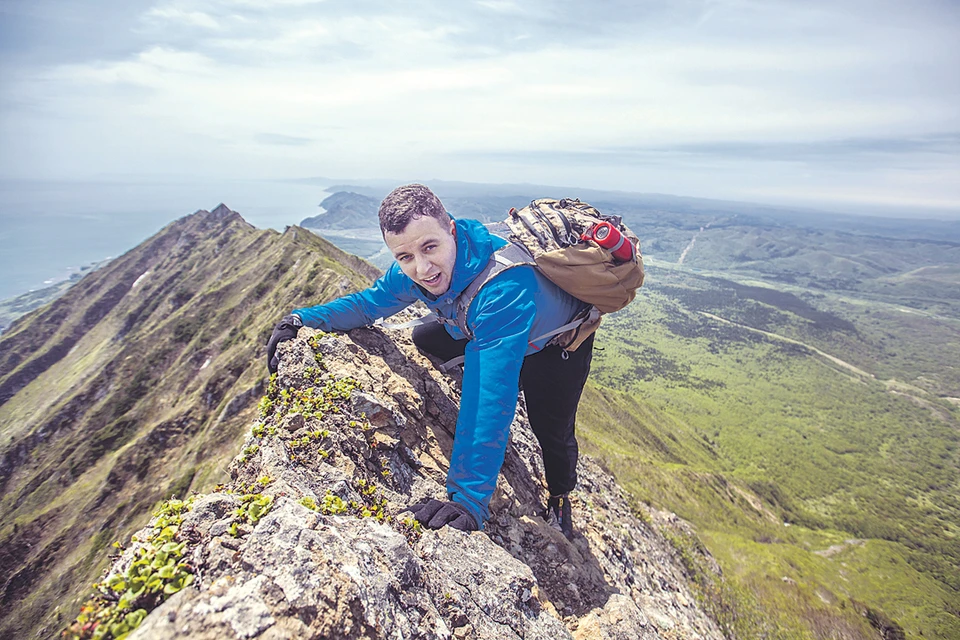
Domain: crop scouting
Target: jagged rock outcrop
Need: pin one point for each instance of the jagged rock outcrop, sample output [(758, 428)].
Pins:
[(356, 428)]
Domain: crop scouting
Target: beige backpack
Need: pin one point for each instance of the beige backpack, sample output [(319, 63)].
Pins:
[(554, 236)]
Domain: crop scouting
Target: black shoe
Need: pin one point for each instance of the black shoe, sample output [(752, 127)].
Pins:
[(559, 515)]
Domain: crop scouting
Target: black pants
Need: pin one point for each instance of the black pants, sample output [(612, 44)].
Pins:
[(551, 387)]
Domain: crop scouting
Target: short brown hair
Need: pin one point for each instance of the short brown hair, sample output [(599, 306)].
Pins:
[(407, 203)]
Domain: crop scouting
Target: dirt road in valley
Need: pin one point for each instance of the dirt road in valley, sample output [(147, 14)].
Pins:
[(776, 336)]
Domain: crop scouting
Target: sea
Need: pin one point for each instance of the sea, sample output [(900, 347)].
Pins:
[(50, 230)]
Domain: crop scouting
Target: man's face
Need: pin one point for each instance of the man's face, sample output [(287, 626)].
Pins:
[(426, 250)]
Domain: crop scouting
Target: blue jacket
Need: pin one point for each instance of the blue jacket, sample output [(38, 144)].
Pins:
[(518, 304)]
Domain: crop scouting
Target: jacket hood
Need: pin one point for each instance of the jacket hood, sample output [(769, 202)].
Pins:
[(474, 246)]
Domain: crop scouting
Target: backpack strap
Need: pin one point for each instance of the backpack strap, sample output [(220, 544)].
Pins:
[(590, 314), (513, 255), (506, 257)]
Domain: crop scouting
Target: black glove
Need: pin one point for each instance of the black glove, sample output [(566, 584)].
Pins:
[(434, 514), (286, 329)]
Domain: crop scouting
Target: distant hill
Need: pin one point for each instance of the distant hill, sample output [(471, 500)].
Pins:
[(345, 210), (911, 262), (492, 197)]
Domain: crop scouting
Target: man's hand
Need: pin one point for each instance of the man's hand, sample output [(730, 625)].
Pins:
[(286, 329), (434, 514)]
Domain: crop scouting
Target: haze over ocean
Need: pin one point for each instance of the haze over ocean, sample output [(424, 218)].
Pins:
[(48, 230)]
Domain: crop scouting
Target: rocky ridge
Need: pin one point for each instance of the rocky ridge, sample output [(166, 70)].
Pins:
[(354, 429)]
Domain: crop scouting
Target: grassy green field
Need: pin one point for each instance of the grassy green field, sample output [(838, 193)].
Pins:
[(809, 437)]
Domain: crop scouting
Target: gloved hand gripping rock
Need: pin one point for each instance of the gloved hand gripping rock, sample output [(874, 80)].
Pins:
[(286, 329), (434, 514)]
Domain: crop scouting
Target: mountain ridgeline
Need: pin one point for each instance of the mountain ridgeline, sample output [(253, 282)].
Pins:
[(138, 383)]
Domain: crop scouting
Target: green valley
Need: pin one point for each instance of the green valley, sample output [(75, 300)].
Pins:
[(825, 487)]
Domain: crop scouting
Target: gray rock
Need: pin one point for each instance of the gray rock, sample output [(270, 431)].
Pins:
[(359, 571)]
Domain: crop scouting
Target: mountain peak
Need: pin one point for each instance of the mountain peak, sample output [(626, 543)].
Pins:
[(220, 218), (222, 211)]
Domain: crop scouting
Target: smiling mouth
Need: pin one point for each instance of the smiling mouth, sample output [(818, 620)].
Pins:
[(433, 280)]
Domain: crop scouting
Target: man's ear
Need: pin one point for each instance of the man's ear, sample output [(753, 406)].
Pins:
[(453, 227)]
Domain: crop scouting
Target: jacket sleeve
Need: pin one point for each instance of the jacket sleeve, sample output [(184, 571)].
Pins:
[(391, 293), (501, 317)]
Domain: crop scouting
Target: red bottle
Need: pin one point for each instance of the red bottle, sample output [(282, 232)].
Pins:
[(610, 238)]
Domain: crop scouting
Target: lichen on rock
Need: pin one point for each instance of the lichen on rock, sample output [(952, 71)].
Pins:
[(311, 540)]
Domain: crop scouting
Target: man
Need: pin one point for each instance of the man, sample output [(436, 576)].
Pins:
[(436, 258)]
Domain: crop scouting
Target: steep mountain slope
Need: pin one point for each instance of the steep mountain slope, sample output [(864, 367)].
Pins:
[(309, 539), (135, 385)]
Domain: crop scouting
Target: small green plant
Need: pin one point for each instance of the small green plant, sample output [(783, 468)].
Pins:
[(410, 528), (313, 374), (253, 506), (332, 505), (314, 340), (272, 386), (366, 488), (157, 571), (265, 407)]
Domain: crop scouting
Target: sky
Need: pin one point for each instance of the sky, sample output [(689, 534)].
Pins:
[(848, 105)]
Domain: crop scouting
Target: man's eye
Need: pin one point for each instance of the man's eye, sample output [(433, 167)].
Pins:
[(403, 258), (430, 247)]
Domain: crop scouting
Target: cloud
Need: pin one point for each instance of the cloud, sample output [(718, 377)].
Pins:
[(843, 150), (701, 95), (272, 4), (282, 140), (156, 67), (188, 18)]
